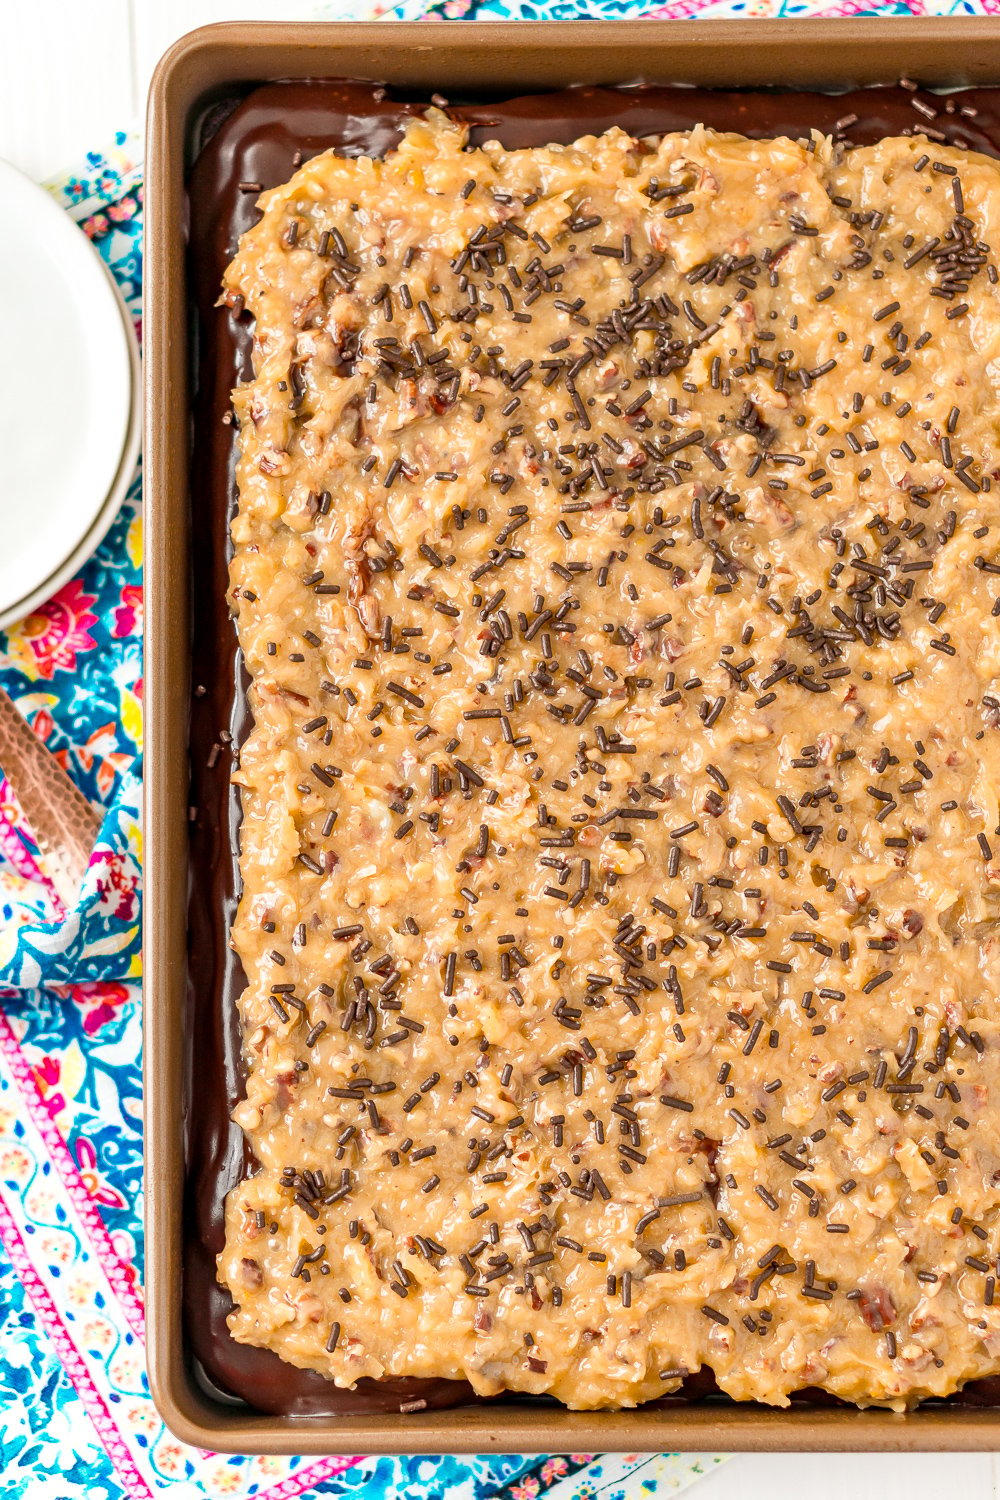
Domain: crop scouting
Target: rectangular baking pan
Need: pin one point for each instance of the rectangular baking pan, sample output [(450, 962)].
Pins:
[(488, 60)]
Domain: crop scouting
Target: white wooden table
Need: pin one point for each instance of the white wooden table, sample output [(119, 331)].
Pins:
[(72, 72)]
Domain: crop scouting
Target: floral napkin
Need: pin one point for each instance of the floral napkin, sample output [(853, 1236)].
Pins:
[(74, 669)]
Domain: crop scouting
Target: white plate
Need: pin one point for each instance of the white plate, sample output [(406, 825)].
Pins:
[(66, 391), (88, 544)]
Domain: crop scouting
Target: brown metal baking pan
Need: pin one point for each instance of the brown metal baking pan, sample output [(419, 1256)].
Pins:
[(485, 61)]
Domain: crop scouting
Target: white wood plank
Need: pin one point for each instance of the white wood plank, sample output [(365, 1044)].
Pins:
[(859, 1476), (65, 79), (158, 23), (72, 73)]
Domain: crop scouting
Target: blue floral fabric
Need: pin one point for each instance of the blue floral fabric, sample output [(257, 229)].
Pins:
[(74, 668)]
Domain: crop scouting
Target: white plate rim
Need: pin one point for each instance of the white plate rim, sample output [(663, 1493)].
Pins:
[(124, 423), (101, 524)]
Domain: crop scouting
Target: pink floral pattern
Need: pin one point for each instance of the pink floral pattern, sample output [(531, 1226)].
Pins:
[(98, 1003), (102, 1192), (50, 640), (48, 1075), (128, 614)]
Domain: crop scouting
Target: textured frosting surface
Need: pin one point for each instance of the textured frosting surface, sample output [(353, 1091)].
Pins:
[(620, 805)]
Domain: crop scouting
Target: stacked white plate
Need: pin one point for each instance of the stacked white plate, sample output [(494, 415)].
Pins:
[(70, 405)]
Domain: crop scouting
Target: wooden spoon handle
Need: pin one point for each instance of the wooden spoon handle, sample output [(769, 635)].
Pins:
[(64, 823)]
